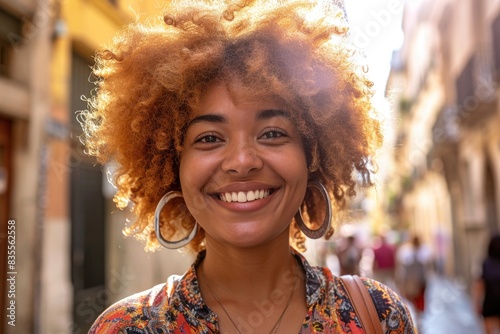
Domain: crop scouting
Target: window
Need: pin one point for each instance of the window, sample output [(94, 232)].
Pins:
[(10, 32), (465, 85), (495, 27), (4, 58)]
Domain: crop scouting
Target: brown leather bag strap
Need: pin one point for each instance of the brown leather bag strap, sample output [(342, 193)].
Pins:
[(362, 303)]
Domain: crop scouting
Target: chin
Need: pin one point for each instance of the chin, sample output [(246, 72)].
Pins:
[(250, 239)]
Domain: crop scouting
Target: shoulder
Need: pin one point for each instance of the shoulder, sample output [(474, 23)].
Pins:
[(393, 313), (136, 310)]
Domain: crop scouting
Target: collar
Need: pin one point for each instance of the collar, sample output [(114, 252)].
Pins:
[(188, 294)]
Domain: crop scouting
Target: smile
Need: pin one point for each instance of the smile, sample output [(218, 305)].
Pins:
[(243, 197)]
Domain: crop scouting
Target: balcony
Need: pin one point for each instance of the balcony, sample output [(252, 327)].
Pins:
[(475, 90)]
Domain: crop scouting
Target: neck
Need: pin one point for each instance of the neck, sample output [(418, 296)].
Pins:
[(253, 290), (249, 272)]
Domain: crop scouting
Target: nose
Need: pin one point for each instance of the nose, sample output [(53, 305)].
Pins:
[(242, 158)]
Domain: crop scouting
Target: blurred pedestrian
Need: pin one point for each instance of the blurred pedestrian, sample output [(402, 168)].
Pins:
[(441, 243), (241, 123), (384, 261), (349, 257), (488, 288), (413, 262), (331, 258)]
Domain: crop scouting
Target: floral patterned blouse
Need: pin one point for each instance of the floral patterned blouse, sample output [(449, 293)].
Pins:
[(178, 307)]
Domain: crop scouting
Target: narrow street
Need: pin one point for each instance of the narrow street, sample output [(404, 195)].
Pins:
[(448, 309)]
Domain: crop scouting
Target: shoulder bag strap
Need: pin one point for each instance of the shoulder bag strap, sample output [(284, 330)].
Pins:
[(362, 303)]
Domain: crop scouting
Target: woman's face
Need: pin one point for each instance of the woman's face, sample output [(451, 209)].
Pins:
[(243, 168)]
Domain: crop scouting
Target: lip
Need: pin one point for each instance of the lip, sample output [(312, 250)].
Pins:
[(244, 187), (245, 206)]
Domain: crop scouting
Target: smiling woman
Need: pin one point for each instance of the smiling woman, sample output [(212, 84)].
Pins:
[(235, 147), (241, 126)]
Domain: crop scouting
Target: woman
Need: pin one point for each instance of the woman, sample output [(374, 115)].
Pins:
[(413, 265), (225, 121), (487, 292)]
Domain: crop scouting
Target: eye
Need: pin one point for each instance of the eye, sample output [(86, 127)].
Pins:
[(274, 133), (207, 139)]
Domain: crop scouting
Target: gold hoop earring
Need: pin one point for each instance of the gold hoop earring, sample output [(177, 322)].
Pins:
[(325, 227), (165, 243)]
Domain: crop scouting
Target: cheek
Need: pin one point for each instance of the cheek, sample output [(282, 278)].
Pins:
[(187, 179), (196, 169), (182, 171), (294, 166), (291, 166), (298, 171), (188, 185), (195, 172), (190, 172)]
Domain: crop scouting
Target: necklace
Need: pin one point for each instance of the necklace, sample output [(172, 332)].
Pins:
[(276, 325)]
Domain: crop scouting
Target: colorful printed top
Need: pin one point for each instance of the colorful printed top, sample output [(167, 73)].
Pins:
[(178, 307)]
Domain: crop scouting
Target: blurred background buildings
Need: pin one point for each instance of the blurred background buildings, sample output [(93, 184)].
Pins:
[(446, 179), (71, 259)]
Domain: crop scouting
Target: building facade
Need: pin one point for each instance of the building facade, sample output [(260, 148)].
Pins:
[(71, 260), (448, 152), (25, 104)]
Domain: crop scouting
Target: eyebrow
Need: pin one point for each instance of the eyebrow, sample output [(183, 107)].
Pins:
[(262, 115), (211, 118), (270, 113)]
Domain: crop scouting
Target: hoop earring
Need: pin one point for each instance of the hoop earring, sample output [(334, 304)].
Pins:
[(165, 243), (325, 227)]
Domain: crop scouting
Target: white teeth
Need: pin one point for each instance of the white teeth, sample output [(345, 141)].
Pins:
[(250, 196), (243, 197)]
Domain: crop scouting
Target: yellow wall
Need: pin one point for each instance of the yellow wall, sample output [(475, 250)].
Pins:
[(94, 22), (88, 25)]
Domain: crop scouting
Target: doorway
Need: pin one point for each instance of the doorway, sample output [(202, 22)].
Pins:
[(87, 212)]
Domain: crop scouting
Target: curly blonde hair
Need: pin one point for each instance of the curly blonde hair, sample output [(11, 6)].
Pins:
[(153, 75)]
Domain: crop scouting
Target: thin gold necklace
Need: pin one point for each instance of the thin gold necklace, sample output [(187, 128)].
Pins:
[(276, 325)]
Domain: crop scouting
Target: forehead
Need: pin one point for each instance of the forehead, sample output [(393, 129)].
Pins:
[(221, 96)]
